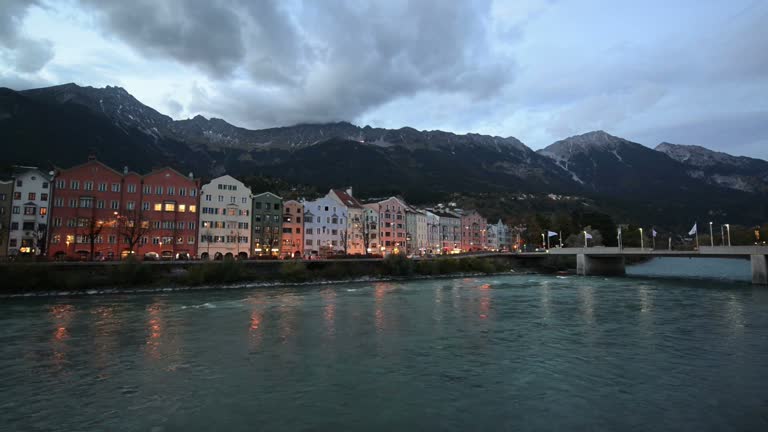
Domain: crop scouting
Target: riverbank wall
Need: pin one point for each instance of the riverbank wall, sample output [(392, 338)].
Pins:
[(77, 277)]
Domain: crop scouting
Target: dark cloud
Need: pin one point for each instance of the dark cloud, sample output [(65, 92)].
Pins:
[(344, 58), (27, 55)]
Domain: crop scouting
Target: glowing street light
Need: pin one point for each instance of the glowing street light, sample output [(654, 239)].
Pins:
[(711, 236), (728, 230), (641, 238)]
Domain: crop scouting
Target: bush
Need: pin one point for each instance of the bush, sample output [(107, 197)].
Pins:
[(132, 272), (295, 271), (397, 265), (217, 272)]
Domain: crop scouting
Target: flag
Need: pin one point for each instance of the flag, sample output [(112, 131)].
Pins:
[(653, 231), (551, 234), (693, 230), (589, 236)]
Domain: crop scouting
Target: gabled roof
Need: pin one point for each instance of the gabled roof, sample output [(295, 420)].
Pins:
[(268, 193), (89, 162), (345, 198), (158, 170)]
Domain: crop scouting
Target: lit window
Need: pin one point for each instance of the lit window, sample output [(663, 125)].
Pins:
[(192, 208), (43, 211), (158, 207), (169, 207), (182, 208)]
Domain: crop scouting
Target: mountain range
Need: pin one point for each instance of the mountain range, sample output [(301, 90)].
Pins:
[(62, 125)]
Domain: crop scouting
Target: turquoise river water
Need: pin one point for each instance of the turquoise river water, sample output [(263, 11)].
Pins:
[(517, 352)]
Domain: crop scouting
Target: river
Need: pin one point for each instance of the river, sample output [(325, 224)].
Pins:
[(518, 352)]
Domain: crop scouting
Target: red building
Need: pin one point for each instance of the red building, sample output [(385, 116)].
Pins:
[(473, 232), (392, 230), (101, 213)]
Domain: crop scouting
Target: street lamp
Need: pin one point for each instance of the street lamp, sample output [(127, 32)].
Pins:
[(641, 238), (728, 229), (711, 237), (585, 239)]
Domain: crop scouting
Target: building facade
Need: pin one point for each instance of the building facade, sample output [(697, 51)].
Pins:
[(267, 222), (6, 198), (371, 228), (473, 232), (225, 219), (28, 229), (172, 199), (87, 200), (292, 245), (354, 242), (433, 232), (392, 225), (450, 231), (416, 229), (325, 225)]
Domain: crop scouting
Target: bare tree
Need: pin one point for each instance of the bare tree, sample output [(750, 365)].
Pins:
[(132, 227), (90, 228), (344, 237)]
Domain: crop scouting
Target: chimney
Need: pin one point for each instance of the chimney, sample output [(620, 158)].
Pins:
[(125, 170), (190, 175), (349, 191)]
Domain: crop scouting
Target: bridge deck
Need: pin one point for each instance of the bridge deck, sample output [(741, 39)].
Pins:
[(702, 252)]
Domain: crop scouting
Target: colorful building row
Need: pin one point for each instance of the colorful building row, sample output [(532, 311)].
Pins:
[(92, 211)]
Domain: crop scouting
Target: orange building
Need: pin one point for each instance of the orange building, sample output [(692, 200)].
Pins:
[(292, 245), (473, 232), (392, 230)]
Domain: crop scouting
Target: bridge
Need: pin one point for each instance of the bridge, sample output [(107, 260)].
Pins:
[(609, 261)]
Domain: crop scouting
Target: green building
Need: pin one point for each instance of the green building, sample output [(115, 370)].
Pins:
[(267, 223)]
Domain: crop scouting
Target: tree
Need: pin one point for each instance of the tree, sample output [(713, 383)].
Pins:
[(344, 241), (90, 228), (577, 240), (41, 238), (132, 227)]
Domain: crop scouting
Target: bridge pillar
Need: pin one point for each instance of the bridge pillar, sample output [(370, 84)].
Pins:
[(759, 269), (590, 265)]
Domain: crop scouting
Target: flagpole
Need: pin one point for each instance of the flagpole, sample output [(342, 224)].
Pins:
[(547, 239), (561, 239), (653, 232), (697, 235)]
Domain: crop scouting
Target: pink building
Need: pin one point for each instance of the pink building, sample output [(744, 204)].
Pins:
[(474, 233), (392, 230)]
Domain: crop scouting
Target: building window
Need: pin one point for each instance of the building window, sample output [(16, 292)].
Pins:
[(32, 196), (61, 184), (100, 204), (19, 183), (257, 205), (310, 231), (29, 211), (147, 190), (193, 192), (43, 197), (114, 205), (88, 186), (43, 211), (145, 206), (14, 226), (17, 195), (182, 192), (131, 188), (169, 207), (182, 208), (158, 207), (57, 222), (115, 187), (208, 197), (86, 202), (171, 190), (74, 185), (130, 205), (102, 187), (308, 242), (287, 231), (159, 190), (192, 208), (221, 198)]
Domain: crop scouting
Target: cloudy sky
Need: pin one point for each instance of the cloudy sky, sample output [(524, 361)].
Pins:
[(683, 71)]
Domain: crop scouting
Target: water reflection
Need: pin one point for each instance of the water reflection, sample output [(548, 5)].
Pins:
[(287, 316), (61, 317), (106, 329), (256, 322), (329, 311), (155, 327), (587, 300), (380, 290), (485, 300), (546, 300)]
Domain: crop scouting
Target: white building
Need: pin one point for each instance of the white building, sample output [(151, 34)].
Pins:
[(225, 218), (433, 232), (325, 225), (371, 228), (29, 211), (416, 231), (355, 242)]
